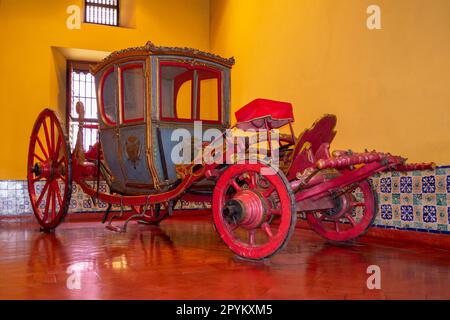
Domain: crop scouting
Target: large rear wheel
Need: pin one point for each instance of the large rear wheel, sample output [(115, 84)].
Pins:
[(253, 210), (49, 171)]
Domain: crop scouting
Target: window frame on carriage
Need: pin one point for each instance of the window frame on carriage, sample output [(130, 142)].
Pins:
[(119, 93), (195, 112)]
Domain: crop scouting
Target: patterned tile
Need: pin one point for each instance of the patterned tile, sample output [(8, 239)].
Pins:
[(386, 185), (417, 199), (441, 199), (396, 198), (440, 184), (429, 214), (395, 182), (386, 211), (406, 184), (441, 215), (407, 213), (429, 184)]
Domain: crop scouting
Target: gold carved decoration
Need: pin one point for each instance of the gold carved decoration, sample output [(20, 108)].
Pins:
[(133, 149)]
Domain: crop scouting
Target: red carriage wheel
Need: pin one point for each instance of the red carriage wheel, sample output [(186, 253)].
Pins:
[(152, 217), (353, 215), (253, 210), (49, 171)]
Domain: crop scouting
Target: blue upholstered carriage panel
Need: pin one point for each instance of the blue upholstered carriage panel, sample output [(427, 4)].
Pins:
[(109, 144), (134, 159), (167, 146)]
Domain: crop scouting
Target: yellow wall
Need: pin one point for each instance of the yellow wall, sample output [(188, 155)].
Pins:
[(389, 88), (32, 71)]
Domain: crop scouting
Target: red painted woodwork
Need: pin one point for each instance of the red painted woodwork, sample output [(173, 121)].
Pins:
[(102, 105), (342, 224), (246, 203), (52, 171)]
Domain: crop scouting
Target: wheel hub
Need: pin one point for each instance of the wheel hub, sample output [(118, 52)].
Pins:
[(45, 169), (341, 207), (247, 209)]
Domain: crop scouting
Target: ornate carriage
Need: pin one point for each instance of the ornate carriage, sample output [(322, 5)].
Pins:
[(144, 96)]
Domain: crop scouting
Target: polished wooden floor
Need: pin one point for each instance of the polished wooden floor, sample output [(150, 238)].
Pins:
[(184, 259)]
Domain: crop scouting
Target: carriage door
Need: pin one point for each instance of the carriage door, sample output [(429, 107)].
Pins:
[(132, 129)]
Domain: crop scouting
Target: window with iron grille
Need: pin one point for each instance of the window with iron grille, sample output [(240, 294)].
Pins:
[(81, 87), (102, 12)]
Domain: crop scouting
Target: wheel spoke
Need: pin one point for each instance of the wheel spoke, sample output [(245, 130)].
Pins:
[(60, 176), (276, 212), (251, 237), (266, 227), (350, 218), (42, 147), (38, 202), (58, 145), (252, 182), (36, 179), (53, 204), (358, 204), (235, 185), (47, 202), (47, 139), (336, 225), (58, 193), (39, 158), (269, 191), (59, 162), (52, 135)]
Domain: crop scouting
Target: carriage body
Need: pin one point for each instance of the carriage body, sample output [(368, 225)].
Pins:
[(146, 93)]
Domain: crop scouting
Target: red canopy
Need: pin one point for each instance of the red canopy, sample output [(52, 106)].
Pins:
[(254, 114)]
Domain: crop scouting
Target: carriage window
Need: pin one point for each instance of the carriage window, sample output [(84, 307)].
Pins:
[(109, 89), (176, 92), (209, 99), (184, 101), (133, 92), (81, 88), (189, 93)]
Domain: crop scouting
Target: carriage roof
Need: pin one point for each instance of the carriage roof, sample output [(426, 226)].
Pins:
[(151, 49)]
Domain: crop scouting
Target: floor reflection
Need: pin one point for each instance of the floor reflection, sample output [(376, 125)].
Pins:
[(185, 259)]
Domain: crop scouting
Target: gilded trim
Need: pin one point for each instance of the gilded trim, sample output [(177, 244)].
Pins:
[(150, 163), (151, 49)]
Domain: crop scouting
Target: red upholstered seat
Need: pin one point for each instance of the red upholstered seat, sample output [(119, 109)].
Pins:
[(256, 113)]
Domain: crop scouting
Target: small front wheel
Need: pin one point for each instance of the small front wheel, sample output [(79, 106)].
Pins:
[(253, 210), (352, 217)]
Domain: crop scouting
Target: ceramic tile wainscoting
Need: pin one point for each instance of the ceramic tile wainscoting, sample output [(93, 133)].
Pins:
[(14, 200), (417, 200)]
